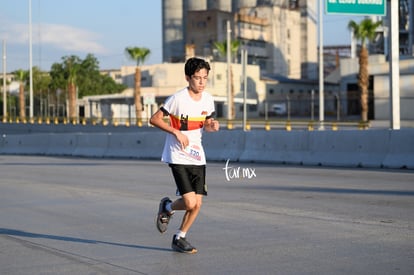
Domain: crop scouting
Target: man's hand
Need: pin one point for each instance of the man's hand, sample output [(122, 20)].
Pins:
[(212, 125), (157, 121), (181, 138)]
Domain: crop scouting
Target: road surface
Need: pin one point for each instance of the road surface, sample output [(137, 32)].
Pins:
[(96, 216)]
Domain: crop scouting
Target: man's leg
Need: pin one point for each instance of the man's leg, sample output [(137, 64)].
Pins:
[(191, 203)]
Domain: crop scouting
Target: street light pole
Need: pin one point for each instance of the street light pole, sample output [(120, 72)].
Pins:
[(312, 105), (321, 82), (30, 61), (394, 69), (244, 68), (4, 83), (229, 107)]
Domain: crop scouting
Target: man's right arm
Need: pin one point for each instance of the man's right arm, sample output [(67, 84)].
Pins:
[(157, 120)]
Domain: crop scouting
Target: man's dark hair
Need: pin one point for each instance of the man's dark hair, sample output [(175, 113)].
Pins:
[(195, 64)]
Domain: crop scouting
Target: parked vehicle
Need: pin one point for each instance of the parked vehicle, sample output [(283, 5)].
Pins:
[(278, 109)]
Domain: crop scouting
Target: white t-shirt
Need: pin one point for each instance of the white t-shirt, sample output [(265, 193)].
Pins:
[(188, 116)]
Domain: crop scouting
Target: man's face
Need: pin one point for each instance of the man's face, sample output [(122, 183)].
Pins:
[(198, 81)]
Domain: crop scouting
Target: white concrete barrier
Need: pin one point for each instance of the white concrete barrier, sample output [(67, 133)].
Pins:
[(347, 148), (350, 148), (32, 144), (62, 144), (224, 145), (142, 145), (275, 146), (91, 144), (400, 150)]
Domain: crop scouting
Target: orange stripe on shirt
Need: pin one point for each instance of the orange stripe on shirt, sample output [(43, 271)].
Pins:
[(185, 124)]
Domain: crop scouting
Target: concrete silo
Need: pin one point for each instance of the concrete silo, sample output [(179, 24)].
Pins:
[(222, 5), (245, 3), (195, 5), (172, 31)]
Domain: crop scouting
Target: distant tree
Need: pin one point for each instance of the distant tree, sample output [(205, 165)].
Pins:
[(21, 76), (92, 82), (75, 75), (364, 31), (41, 83), (88, 79), (73, 67), (139, 55)]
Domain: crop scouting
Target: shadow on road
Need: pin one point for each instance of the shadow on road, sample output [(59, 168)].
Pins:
[(333, 190), (19, 233)]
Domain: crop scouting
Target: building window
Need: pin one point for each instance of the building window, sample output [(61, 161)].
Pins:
[(224, 25), (271, 91), (250, 107), (288, 66), (201, 24)]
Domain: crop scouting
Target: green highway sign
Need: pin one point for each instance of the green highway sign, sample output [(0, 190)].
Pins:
[(357, 7)]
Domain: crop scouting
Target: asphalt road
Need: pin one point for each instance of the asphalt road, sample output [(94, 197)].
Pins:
[(96, 216)]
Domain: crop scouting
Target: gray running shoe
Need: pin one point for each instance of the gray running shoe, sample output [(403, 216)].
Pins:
[(182, 245), (163, 217)]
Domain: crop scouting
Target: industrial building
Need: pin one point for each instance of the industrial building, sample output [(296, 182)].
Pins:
[(406, 31), (272, 32), (281, 40)]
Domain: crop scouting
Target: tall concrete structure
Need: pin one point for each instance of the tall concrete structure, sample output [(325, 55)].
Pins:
[(406, 22), (173, 31), (406, 29), (279, 35), (308, 43)]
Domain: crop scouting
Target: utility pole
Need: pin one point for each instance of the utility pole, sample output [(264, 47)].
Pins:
[(321, 82), (4, 83), (244, 68), (30, 61), (394, 68), (229, 107)]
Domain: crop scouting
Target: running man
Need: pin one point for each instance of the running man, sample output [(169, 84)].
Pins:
[(190, 112)]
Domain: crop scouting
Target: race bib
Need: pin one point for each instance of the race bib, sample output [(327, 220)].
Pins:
[(193, 152)]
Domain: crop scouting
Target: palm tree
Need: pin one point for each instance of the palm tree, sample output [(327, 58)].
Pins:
[(73, 67), (364, 31), (221, 47), (139, 55), (21, 77)]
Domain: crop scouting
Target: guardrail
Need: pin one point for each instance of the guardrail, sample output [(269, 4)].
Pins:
[(252, 124)]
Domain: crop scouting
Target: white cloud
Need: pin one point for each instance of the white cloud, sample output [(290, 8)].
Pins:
[(59, 36)]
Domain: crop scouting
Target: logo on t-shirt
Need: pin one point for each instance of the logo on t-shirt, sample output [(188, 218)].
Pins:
[(183, 122)]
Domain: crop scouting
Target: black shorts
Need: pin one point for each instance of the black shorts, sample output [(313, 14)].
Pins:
[(190, 178)]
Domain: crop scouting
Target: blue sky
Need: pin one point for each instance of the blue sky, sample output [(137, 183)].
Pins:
[(101, 27)]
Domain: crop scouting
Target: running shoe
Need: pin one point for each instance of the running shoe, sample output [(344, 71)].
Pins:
[(182, 245), (163, 216)]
